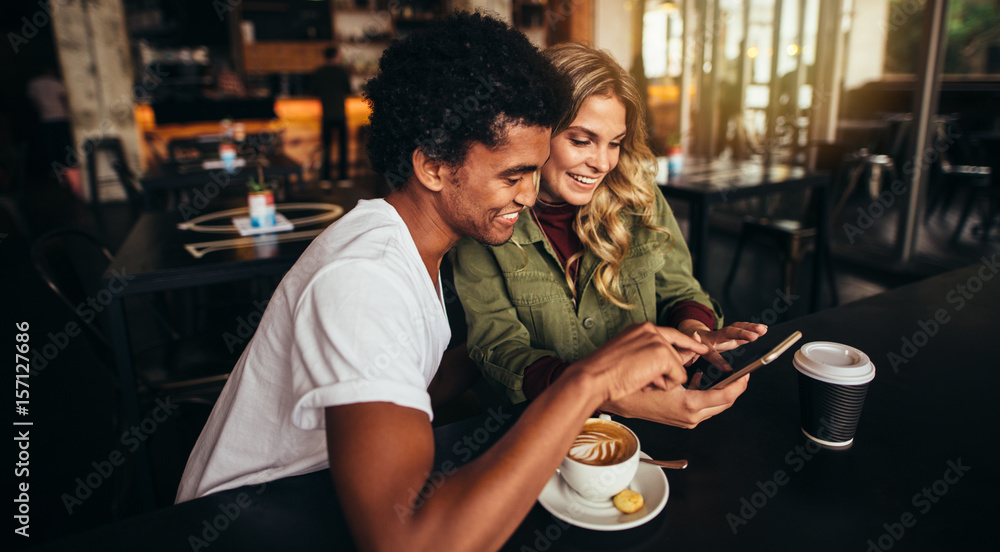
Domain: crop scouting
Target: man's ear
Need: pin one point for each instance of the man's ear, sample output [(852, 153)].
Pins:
[(429, 171)]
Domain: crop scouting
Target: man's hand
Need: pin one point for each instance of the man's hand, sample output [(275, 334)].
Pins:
[(641, 355), (479, 505)]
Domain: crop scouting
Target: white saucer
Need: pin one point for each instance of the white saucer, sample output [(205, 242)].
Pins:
[(566, 504)]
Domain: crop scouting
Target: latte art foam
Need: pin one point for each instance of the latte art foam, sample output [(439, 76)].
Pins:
[(602, 443)]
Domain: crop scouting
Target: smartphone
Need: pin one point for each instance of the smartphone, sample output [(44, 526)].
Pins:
[(768, 358)]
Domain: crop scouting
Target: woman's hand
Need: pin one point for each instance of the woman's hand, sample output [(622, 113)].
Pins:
[(676, 405), (687, 407), (723, 339)]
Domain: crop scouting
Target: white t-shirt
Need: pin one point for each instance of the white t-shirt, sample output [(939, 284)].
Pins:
[(356, 319)]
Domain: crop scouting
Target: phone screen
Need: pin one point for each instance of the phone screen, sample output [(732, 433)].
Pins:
[(711, 374), (721, 378), (714, 378)]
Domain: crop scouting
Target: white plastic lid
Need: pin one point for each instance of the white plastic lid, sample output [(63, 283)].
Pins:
[(834, 363)]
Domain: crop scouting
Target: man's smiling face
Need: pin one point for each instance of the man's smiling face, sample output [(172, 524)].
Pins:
[(484, 196)]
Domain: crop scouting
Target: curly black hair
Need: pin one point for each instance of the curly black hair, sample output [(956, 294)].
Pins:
[(465, 79)]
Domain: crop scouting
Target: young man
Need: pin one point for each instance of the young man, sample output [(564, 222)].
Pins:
[(338, 372)]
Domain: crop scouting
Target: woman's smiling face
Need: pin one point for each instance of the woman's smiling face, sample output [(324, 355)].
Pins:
[(583, 154)]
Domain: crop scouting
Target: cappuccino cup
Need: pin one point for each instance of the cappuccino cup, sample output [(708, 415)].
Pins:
[(602, 460)]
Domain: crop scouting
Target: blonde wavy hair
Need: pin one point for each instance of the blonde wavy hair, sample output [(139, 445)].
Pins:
[(628, 188)]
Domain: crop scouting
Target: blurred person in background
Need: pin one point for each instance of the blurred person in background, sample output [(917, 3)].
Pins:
[(332, 84), (48, 94), (226, 83)]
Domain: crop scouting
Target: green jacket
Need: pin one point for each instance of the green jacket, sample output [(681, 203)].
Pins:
[(519, 307)]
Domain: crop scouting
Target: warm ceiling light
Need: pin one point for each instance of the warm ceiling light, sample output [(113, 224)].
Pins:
[(793, 49), (752, 52)]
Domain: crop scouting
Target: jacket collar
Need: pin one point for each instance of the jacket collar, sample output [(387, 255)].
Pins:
[(526, 230)]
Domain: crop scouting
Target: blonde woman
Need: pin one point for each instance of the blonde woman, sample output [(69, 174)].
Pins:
[(599, 250)]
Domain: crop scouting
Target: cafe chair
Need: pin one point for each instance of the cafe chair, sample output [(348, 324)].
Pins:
[(111, 147), (793, 238), (190, 373), (960, 166), (982, 191), (14, 166), (193, 369), (130, 185), (12, 222), (875, 162)]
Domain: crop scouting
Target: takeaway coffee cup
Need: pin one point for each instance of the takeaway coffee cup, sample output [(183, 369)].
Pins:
[(833, 381), (602, 461)]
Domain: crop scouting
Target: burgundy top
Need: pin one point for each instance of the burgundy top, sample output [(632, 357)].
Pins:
[(556, 222)]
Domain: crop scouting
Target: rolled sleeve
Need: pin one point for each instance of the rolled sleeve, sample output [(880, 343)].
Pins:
[(360, 343)]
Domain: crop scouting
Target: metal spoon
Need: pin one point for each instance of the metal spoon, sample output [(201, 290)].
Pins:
[(672, 464)]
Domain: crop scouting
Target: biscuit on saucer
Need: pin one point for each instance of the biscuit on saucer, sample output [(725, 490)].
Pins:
[(628, 501)]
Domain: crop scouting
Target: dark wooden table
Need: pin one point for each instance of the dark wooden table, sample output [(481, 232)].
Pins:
[(704, 184), (153, 258), (862, 133), (170, 178), (921, 474), (264, 142)]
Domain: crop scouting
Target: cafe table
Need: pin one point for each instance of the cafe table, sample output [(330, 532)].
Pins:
[(210, 178), (703, 184), (157, 255), (920, 475)]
